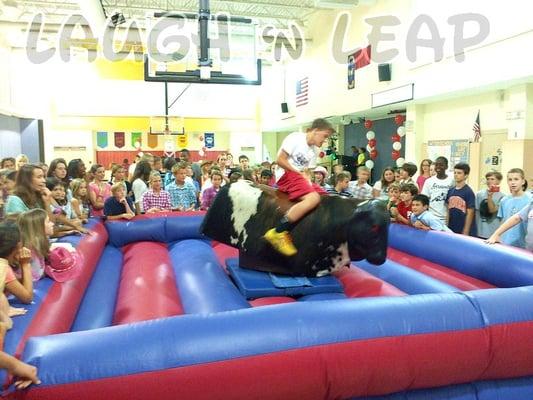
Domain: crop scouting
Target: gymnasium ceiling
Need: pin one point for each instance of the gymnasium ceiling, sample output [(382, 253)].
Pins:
[(275, 12)]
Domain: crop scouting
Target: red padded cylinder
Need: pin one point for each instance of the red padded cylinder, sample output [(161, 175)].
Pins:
[(359, 283), (147, 286)]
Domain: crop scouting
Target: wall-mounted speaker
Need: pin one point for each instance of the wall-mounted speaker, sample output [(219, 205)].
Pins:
[(284, 108), (384, 72)]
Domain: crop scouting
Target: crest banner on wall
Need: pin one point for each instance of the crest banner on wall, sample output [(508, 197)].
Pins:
[(152, 140), (209, 140), (119, 139), (136, 139), (101, 139), (182, 140)]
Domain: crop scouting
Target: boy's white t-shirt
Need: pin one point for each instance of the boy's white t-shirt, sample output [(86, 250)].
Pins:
[(437, 190), (301, 155)]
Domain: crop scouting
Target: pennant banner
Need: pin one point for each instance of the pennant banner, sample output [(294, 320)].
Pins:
[(119, 139), (209, 140), (136, 139), (351, 71), (362, 57), (183, 140), (152, 140), (101, 139)]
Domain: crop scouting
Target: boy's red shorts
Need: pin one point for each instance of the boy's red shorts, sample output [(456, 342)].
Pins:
[(296, 186)]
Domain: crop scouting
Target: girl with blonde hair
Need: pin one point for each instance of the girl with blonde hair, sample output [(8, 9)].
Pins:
[(80, 199), (22, 159), (35, 230)]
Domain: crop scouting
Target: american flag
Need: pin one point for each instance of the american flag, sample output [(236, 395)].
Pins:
[(477, 129), (302, 92)]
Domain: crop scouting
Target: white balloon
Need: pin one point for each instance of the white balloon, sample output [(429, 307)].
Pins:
[(370, 135), (369, 148), (401, 131), (400, 161), (137, 145), (369, 164), (396, 146), (201, 153)]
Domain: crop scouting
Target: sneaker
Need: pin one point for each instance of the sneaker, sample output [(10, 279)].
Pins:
[(281, 241)]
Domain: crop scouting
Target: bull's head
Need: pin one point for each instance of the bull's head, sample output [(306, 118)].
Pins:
[(368, 232)]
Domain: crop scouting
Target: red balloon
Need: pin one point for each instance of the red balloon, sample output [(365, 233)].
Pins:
[(395, 155), (372, 142), (373, 154), (399, 119), (368, 124), (321, 154), (395, 138)]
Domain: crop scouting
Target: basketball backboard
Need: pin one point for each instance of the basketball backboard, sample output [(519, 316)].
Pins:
[(174, 53)]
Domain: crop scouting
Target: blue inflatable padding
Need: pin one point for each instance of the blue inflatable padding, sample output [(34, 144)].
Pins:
[(179, 228), (98, 304), (502, 389), (405, 279), (203, 285), (195, 339), (122, 233), (495, 308), (253, 284), (469, 256), (322, 296), (21, 323), (40, 291), (76, 238)]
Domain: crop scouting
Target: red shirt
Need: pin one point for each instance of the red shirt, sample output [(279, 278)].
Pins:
[(404, 210)]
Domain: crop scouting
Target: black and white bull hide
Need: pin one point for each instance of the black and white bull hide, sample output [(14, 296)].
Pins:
[(337, 231)]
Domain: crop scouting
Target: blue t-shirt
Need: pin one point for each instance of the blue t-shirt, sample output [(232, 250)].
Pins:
[(526, 216), (113, 207), (509, 206), (429, 219), (459, 201), (15, 205)]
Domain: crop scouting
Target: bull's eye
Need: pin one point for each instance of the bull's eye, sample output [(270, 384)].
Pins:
[(375, 228)]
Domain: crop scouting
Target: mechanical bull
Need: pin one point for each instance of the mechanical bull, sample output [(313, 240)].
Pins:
[(337, 231)]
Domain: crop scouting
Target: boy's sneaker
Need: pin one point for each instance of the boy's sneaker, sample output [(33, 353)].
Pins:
[(281, 241)]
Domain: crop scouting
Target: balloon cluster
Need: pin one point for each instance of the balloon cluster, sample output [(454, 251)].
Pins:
[(396, 140), (371, 145)]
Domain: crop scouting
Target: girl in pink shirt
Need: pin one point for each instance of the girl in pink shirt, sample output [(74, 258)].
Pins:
[(99, 190)]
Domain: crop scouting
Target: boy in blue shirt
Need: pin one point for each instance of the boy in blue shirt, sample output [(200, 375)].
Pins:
[(421, 218), (525, 216), (182, 193), (461, 202)]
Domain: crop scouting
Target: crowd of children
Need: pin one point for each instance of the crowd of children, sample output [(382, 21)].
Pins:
[(40, 203), (438, 200)]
